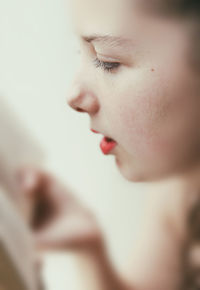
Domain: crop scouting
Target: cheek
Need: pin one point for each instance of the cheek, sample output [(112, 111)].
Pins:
[(140, 113), (154, 120), (140, 124)]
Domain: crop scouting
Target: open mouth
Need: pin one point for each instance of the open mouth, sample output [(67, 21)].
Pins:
[(108, 139), (107, 144)]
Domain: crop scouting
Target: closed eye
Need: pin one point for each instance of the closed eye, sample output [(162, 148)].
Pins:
[(106, 66)]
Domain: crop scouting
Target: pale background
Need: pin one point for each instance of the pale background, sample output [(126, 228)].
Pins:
[(38, 59)]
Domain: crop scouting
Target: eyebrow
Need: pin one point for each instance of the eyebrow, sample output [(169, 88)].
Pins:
[(108, 39)]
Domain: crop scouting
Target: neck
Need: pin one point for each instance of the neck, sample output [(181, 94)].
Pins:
[(176, 196), (185, 181)]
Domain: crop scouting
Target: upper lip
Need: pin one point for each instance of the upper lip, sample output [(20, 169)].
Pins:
[(97, 132)]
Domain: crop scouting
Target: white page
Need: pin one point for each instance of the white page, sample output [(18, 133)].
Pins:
[(17, 146), (17, 149), (17, 255)]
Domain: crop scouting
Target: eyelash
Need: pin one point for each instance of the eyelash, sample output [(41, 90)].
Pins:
[(106, 66)]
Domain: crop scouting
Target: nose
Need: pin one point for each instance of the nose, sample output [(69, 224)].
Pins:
[(82, 99)]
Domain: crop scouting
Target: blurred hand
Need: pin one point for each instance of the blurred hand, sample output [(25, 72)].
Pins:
[(58, 219)]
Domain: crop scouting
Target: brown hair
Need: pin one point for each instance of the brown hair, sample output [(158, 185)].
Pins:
[(180, 8), (188, 11), (191, 255)]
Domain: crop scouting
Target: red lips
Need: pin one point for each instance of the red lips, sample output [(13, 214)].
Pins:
[(107, 144), (94, 131)]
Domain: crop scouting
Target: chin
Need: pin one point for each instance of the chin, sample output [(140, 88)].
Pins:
[(134, 179), (130, 174), (138, 176)]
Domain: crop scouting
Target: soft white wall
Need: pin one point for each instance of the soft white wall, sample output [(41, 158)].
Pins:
[(38, 58)]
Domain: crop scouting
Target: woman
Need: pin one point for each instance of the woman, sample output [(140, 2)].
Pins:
[(139, 83)]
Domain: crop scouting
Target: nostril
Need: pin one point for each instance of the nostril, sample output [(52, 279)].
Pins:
[(79, 110), (84, 102)]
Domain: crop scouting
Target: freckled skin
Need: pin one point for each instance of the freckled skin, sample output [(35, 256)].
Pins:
[(150, 105)]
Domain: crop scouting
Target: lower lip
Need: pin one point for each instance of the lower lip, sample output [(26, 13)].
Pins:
[(107, 146)]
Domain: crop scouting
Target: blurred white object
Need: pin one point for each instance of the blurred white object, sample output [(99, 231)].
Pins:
[(17, 147), (17, 269)]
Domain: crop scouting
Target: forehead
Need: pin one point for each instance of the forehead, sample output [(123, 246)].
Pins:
[(102, 16), (126, 19)]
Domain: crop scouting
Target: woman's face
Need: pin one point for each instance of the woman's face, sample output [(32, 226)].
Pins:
[(138, 87)]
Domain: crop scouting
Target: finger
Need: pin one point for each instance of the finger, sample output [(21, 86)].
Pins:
[(28, 179), (76, 241), (50, 239), (38, 260), (60, 196), (70, 234), (35, 184), (31, 189), (33, 180)]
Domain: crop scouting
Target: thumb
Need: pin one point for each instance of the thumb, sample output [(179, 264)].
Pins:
[(28, 180)]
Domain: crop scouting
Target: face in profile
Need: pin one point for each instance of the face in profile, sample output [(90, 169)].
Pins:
[(137, 85)]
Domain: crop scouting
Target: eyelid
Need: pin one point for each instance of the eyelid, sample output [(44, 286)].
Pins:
[(122, 59), (107, 58)]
